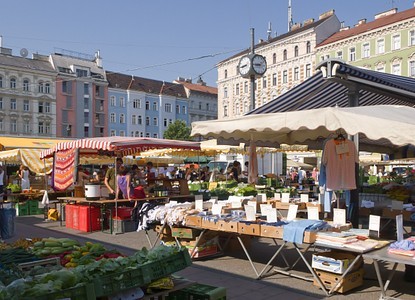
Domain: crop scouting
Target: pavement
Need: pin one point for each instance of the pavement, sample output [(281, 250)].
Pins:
[(231, 270)]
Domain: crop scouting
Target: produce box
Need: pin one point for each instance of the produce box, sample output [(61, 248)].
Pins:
[(53, 261), (183, 232), (249, 228), (82, 292), (351, 281), (166, 230), (334, 261), (33, 207), (209, 223), (310, 237), (272, 231), (122, 226), (193, 220), (230, 226), (203, 251), (89, 218), (199, 292), (123, 213)]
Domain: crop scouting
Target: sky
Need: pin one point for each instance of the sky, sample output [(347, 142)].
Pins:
[(164, 39)]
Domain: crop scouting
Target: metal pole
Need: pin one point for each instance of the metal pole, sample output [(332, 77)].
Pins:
[(252, 78)]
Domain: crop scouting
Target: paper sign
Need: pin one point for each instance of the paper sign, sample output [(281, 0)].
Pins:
[(250, 213), (374, 226), (199, 204), (277, 196), (397, 205), (253, 204), (399, 228), (285, 197), (216, 209), (339, 216), (198, 197), (213, 200), (342, 148), (312, 213), (292, 212), (261, 197), (272, 215), (304, 198), (264, 208), (235, 204)]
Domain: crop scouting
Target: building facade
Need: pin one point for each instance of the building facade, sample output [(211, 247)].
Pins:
[(386, 44), (290, 60), (27, 95)]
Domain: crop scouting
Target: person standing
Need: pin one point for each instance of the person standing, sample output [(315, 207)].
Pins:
[(110, 177), (24, 178), (1, 182), (124, 190)]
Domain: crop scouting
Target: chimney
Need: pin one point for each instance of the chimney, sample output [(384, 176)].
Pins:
[(98, 59), (345, 28), (309, 21), (386, 13), (296, 26), (362, 21), (326, 14)]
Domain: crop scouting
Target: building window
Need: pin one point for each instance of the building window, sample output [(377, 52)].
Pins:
[(226, 74), (366, 50), (381, 46), (86, 117), (155, 135), (133, 119), (155, 122), (122, 102), (155, 106), (47, 107), (296, 73), (26, 126), (86, 89), (295, 51), (26, 106), (396, 69), (47, 88), (47, 127), (308, 47), (1, 124), (207, 107), (307, 70), (147, 105), (1, 103), (237, 89), (184, 110), (352, 54), (284, 55), (225, 92), (122, 133), (274, 79), (26, 85), (412, 68), (147, 121), (284, 76), (274, 58), (396, 42), (136, 103), (246, 87), (113, 101), (167, 107), (113, 118), (339, 54), (380, 68), (13, 125), (225, 110), (122, 118), (113, 132), (165, 122), (13, 104), (264, 82), (140, 120), (1, 81), (170, 121), (412, 38), (13, 83), (40, 87), (177, 109), (147, 134)]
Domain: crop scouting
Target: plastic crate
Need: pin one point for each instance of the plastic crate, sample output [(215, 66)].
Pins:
[(166, 266), (123, 213), (89, 218), (82, 292), (22, 209), (33, 207), (122, 226), (199, 292), (69, 216), (114, 283)]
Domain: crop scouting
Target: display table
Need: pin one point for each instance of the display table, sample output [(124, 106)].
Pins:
[(382, 255)]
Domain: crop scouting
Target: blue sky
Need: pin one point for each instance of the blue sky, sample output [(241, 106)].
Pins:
[(163, 39)]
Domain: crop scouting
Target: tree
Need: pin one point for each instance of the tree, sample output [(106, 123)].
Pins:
[(178, 130)]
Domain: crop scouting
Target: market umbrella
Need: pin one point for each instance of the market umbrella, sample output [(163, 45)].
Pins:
[(197, 159), (297, 164)]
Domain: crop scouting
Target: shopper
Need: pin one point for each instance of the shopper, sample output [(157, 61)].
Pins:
[(24, 177), (110, 177), (1, 182), (124, 188)]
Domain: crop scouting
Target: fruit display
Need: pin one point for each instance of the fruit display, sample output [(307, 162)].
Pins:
[(50, 246), (15, 188)]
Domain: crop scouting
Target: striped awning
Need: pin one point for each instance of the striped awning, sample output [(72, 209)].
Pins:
[(27, 157), (117, 145), (320, 90)]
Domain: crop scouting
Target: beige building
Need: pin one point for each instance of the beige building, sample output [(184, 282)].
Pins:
[(290, 60)]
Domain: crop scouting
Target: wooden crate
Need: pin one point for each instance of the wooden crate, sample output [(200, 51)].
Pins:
[(309, 237), (312, 204), (249, 229), (184, 232), (349, 282), (272, 231)]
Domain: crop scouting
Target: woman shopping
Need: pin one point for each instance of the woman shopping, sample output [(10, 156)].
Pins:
[(24, 177), (124, 189)]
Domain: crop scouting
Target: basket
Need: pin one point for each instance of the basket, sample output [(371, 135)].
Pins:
[(166, 266), (114, 283)]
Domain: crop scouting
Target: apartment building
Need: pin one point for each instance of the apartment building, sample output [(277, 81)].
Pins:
[(290, 60)]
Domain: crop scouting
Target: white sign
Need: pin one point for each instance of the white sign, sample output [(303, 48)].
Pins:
[(198, 197), (277, 196), (312, 213), (397, 205), (261, 197), (272, 215), (265, 208), (235, 204), (216, 209), (199, 204), (399, 228), (304, 197), (213, 200), (250, 213), (285, 197), (374, 224), (253, 204), (292, 212), (339, 216)]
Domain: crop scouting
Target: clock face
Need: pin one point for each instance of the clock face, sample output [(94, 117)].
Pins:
[(244, 65), (259, 64)]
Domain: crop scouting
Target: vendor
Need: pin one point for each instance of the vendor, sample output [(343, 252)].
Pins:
[(82, 177), (24, 177), (110, 177)]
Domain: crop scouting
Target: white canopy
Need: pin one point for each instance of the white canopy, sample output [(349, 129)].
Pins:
[(381, 128)]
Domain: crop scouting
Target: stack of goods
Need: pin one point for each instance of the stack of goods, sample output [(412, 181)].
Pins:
[(405, 247), (347, 240), (294, 231)]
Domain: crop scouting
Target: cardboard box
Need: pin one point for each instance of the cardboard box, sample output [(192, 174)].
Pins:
[(309, 237), (166, 230), (313, 204), (334, 261), (230, 226), (285, 205), (351, 281), (272, 231), (249, 229), (209, 223), (184, 232), (203, 251), (193, 220)]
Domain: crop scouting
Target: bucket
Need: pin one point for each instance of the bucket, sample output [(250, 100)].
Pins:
[(92, 191)]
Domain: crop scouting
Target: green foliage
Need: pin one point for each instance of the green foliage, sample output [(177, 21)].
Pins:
[(178, 130)]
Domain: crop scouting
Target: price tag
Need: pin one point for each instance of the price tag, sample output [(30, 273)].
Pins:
[(272, 215), (374, 226), (199, 204), (250, 213), (312, 213), (235, 204), (265, 208), (342, 148), (399, 228), (339, 216), (292, 212), (285, 197), (253, 204), (304, 198), (261, 197), (277, 196), (216, 209)]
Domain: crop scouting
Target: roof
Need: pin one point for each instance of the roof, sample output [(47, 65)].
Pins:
[(130, 82), (375, 88), (199, 88), (63, 61), (24, 142), (378, 23), (26, 63)]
